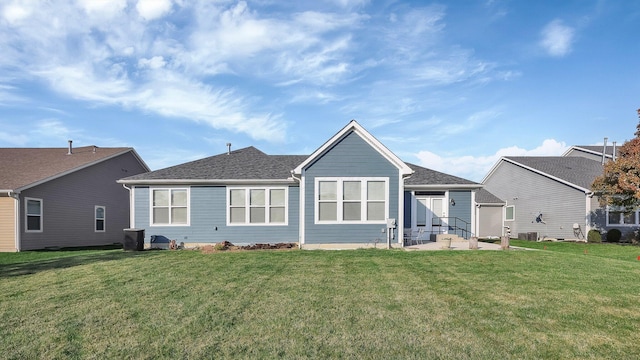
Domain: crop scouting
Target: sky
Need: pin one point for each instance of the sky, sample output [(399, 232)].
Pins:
[(450, 85)]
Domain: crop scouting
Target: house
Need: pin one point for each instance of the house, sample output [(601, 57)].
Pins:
[(351, 192), (547, 196), (64, 197)]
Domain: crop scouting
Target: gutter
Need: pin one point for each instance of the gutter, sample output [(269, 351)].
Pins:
[(301, 206)]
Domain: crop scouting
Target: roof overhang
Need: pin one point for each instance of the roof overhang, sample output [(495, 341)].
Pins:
[(208, 182), (353, 126)]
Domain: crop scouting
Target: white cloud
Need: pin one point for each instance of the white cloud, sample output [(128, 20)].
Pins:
[(557, 38), (104, 8), (153, 9), (155, 62), (15, 12), (476, 167)]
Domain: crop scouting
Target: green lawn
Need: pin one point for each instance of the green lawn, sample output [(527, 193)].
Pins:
[(558, 303)]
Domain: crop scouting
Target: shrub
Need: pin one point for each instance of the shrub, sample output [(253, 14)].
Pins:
[(594, 236), (614, 235)]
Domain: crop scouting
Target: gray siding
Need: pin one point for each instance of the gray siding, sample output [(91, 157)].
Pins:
[(460, 213), (208, 220), (531, 194), (350, 157), (69, 203), (490, 221)]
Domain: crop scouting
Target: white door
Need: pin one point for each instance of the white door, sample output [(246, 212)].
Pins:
[(430, 213)]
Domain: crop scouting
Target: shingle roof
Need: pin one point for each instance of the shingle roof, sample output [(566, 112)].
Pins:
[(243, 164), (575, 170), (424, 176), (22, 167), (252, 164), (483, 196)]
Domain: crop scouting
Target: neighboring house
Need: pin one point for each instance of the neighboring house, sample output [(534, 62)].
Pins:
[(490, 214), (64, 197), (351, 192), (548, 196)]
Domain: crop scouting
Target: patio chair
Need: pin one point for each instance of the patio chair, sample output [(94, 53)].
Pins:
[(417, 236)]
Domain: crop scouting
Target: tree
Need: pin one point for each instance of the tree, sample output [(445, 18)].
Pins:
[(619, 185)]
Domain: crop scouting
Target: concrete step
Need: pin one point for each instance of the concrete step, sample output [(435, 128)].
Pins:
[(451, 237)]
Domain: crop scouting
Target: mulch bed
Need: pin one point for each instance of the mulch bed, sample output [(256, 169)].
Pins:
[(228, 246)]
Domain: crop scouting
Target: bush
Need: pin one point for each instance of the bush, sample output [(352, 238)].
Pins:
[(594, 236), (614, 235)]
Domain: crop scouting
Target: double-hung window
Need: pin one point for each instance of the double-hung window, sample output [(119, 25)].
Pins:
[(351, 200), (100, 213), (33, 215), (257, 206), (170, 206)]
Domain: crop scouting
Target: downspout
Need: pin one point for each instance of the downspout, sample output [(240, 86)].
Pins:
[(131, 207), (301, 210), (16, 214)]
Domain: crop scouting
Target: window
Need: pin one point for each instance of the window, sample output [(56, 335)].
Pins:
[(33, 214), (99, 217), (616, 216), (351, 200), (170, 206), (257, 206), (510, 213)]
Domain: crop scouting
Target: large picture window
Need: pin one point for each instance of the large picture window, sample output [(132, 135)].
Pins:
[(257, 206), (620, 217), (170, 206), (351, 200), (33, 215), (100, 216)]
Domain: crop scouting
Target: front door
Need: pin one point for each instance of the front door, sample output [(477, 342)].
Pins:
[(430, 213)]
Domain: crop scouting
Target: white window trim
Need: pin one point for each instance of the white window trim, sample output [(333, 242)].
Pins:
[(514, 213), (340, 201), (621, 218), (26, 215), (95, 218), (267, 205), (151, 189)]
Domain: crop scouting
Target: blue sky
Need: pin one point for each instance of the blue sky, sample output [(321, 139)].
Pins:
[(449, 85)]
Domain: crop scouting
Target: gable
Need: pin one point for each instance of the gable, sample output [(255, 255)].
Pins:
[(351, 156), (575, 172), (27, 167), (353, 128)]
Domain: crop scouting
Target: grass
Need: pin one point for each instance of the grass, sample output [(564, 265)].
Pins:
[(372, 304)]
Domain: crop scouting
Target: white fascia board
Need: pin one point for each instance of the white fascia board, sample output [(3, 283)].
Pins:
[(445, 187), (570, 184), (206, 181), (364, 134), (70, 171)]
